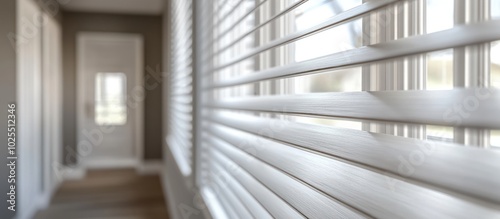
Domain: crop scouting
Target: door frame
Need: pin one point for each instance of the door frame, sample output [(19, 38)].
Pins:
[(138, 127)]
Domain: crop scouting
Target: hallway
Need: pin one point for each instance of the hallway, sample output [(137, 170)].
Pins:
[(109, 194)]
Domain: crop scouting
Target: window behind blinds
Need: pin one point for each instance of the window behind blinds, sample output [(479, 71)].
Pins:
[(346, 109), (180, 137)]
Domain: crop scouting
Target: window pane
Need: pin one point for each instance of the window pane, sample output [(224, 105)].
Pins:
[(495, 64), (110, 96), (315, 12), (495, 9), (344, 80), (440, 70), (336, 39), (346, 124), (439, 133), (495, 138), (439, 15)]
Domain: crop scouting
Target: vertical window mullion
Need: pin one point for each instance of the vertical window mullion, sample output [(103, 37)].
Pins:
[(478, 62), (365, 69), (459, 63)]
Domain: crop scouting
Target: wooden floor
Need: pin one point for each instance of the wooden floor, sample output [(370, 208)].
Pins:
[(109, 194)]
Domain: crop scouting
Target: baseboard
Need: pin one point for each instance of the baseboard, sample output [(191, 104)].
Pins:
[(72, 173), (152, 167), (27, 213), (168, 193), (109, 163), (46, 198), (43, 201)]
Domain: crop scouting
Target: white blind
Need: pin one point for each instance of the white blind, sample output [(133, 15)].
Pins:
[(348, 109), (180, 137)]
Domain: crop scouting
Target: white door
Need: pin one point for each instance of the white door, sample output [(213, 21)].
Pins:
[(110, 99)]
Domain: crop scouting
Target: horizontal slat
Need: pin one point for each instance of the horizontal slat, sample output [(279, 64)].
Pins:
[(274, 204), (182, 130), (183, 110), (369, 191), (460, 107), (228, 209), (213, 204), (182, 100), (253, 206), (181, 117), (223, 190), (455, 37), (178, 154), (242, 18), (444, 162), (308, 201), (179, 138), (181, 91), (182, 83), (225, 16), (285, 11), (334, 21)]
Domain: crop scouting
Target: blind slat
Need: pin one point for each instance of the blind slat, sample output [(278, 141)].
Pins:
[(258, 160), (458, 36), (460, 107), (273, 18), (226, 16), (229, 210), (274, 204), (305, 199), (225, 190), (387, 153), (230, 28), (213, 204), (180, 84), (254, 207), (364, 189), (334, 21)]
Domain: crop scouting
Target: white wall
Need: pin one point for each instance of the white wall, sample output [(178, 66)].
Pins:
[(52, 106), (29, 107), (38, 106)]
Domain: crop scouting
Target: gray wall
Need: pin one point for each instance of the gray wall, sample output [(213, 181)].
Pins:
[(7, 90), (150, 27)]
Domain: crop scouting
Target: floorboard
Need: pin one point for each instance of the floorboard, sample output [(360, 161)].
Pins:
[(108, 194)]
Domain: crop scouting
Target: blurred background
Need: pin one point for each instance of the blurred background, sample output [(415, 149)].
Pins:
[(250, 108)]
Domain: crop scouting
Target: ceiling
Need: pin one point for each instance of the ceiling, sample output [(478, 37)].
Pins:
[(151, 7)]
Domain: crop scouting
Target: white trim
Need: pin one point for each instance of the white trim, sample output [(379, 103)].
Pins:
[(139, 112), (110, 163), (177, 153), (70, 173), (28, 110), (169, 194), (52, 108), (151, 167)]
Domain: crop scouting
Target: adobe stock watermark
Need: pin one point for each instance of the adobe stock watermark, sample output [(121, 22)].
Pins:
[(95, 137), (454, 115)]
